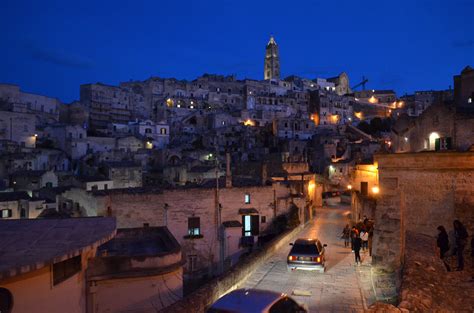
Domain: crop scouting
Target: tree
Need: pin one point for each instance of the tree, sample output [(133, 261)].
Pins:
[(376, 125), (365, 127)]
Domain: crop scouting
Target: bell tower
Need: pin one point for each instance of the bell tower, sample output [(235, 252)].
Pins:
[(272, 61)]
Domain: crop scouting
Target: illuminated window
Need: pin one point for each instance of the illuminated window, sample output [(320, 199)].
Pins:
[(194, 226), (6, 213), (163, 131), (247, 198)]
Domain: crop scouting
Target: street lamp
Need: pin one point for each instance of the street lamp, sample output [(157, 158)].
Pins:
[(375, 189)]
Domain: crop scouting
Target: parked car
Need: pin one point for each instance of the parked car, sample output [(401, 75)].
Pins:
[(307, 254), (331, 194), (256, 301)]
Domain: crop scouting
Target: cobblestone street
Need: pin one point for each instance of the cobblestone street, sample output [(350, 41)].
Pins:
[(344, 287)]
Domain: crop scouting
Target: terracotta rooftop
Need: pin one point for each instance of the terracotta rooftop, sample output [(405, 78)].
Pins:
[(30, 244)]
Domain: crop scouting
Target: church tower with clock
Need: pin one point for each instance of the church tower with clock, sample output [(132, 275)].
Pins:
[(272, 61)]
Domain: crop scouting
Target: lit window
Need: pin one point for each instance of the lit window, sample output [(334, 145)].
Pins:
[(247, 198), (6, 213), (469, 100), (194, 226), (163, 131)]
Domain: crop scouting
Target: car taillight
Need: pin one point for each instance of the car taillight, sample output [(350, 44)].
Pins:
[(291, 258), (317, 259)]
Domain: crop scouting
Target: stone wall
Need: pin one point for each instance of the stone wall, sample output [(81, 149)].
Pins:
[(202, 298), (426, 285), (419, 192), (173, 208)]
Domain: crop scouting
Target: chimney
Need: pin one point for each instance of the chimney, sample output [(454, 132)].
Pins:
[(228, 173)]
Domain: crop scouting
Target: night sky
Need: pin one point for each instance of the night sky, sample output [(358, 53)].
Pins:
[(51, 47)]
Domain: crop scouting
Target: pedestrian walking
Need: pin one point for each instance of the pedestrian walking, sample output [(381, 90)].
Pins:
[(460, 235), (371, 237), (354, 234), (364, 236), (443, 244), (357, 246), (346, 234)]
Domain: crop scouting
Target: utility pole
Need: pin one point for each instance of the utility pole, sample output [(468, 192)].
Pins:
[(218, 221)]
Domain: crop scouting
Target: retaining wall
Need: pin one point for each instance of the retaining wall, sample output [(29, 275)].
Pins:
[(202, 298)]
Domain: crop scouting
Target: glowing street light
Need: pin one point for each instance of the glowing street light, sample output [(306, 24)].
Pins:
[(349, 187), (375, 189)]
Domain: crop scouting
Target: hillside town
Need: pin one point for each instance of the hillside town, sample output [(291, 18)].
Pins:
[(137, 196)]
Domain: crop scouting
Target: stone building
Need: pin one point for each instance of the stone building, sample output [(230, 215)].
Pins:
[(464, 89), (45, 270), (156, 134), (46, 109), (74, 113), (124, 174), (106, 104), (341, 83), (293, 128), (328, 109), (419, 192), (440, 127), (191, 216), (29, 180), (140, 269), (272, 61), (19, 128), (416, 104)]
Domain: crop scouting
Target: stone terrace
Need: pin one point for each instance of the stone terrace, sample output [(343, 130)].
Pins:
[(427, 286)]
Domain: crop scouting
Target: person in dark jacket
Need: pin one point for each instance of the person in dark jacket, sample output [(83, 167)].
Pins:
[(346, 233), (460, 235), (357, 245), (354, 234), (443, 244)]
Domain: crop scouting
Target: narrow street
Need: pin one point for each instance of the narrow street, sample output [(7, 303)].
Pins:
[(344, 287)]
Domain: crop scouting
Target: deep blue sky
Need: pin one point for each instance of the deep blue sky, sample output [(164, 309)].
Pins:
[(51, 47)]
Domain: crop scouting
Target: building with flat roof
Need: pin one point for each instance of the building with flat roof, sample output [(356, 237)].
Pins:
[(43, 262)]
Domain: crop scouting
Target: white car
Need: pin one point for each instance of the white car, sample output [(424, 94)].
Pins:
[(256, 301)]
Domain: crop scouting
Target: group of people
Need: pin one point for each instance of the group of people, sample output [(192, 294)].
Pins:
[(455, 246), (359, 237)]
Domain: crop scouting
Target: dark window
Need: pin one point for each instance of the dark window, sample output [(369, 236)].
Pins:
[(22, 213), (304, 249), (49, 185), (194, 226), (264, 219), (94, 188), (6, 300), (364, 188), (106, 186), (65, 269)]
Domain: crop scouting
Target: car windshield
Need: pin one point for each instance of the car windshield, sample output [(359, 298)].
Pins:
[(304, 249)]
